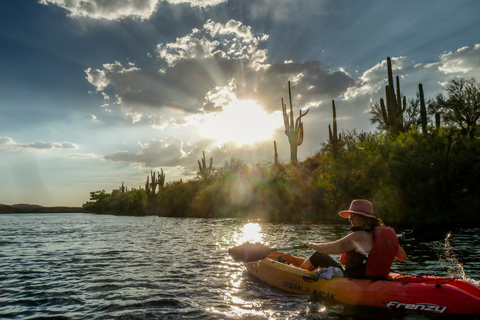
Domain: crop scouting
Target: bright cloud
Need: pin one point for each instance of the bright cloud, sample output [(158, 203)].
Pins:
[(119, 9), (109, 10), (232, 40), (465, 62), (198, 3)]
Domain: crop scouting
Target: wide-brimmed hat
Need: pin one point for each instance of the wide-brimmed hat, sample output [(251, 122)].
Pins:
[(361, 207)]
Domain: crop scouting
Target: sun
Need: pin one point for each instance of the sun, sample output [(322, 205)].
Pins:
[(243, 122)]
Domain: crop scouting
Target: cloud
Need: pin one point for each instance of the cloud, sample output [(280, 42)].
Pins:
[(188, 74), (198, 3), (189, 68), (110, 10), (155, 153), (85, 156), (232, 40), (9, 143), (311, 83), (120, 9), (465, 61)]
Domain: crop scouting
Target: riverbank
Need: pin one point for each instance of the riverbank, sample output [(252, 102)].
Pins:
[(32, 208)]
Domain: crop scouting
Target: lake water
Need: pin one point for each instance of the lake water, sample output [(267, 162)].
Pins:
[(85, 266)]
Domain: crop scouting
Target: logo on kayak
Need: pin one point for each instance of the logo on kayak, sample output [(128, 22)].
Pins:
[(416, 306), (315, 292), (293, 286)]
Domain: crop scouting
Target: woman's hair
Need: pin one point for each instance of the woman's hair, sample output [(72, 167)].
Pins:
[(368, 224), (371, 223)]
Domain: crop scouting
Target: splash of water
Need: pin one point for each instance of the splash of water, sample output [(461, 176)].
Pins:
[(449, 261)]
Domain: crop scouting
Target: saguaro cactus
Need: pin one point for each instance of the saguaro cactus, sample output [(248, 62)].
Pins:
[(293, 130), (158, 180), (161, 178), (123, 187), (334, 138), (276, 154), (202, 167), (437, 120), (423, 109), (393, 112)]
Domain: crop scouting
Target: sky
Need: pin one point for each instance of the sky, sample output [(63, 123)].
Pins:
[(95, 93)]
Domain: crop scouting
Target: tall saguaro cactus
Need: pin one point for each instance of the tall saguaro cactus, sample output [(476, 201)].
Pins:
[(393, 112), (293, 130), (334, 138), (205, 170), (423, 109)]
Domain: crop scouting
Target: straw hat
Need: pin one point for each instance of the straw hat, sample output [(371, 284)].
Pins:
[(361, 207)]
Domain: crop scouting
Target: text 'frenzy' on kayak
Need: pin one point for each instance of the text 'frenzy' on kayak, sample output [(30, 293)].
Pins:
[(416, 306)]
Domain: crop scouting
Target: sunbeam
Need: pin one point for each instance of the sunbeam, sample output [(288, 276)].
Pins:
[(242, 123)]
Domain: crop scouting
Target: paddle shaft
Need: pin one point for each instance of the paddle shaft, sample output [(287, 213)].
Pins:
[(301, 246)]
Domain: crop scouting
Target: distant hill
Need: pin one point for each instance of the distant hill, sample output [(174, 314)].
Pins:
[(33, 208)]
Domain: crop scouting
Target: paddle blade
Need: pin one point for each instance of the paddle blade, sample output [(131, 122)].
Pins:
[(249, 252)]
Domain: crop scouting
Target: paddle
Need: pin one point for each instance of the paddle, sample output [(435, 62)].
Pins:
[(249, 252)]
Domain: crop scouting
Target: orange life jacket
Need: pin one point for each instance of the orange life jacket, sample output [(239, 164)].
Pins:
[(380, 258)]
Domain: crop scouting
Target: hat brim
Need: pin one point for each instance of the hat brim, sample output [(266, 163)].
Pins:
[(346, 214)]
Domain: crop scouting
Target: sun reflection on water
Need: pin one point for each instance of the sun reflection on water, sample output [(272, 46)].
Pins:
[(239, 306), (251, 232)]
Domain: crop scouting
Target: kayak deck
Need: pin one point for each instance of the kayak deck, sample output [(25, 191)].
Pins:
[(410, 292)]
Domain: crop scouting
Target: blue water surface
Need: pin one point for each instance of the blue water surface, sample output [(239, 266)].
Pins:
[(87, 266)]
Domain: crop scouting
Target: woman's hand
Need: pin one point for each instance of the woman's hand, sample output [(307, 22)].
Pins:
[(308, 245)]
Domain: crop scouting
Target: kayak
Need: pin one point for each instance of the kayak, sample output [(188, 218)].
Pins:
[(438, 295)]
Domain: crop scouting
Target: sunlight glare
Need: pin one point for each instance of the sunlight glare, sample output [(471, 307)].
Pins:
[(251, 232), (242, 123)]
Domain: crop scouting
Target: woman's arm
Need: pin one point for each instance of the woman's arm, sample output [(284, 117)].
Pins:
[(348, 243), (401, 254)]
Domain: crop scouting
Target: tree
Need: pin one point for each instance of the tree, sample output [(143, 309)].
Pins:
[(462, 106), (100, 202), (411, 116)]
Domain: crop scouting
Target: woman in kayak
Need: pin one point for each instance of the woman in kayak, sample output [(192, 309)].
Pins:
[(367, 252)]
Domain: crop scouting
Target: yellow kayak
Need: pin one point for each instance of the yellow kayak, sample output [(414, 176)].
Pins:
[(409, 292)]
